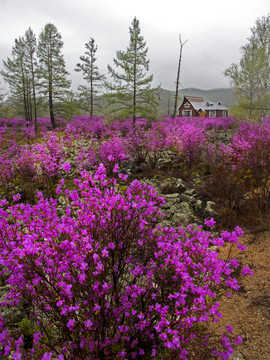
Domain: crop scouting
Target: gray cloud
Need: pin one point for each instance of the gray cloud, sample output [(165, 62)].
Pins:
[(215, 33)]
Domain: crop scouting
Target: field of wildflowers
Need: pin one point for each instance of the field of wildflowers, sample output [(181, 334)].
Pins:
[(101, 279)]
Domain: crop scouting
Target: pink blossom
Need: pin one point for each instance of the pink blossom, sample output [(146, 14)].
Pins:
[(246, 271), (66, 166)]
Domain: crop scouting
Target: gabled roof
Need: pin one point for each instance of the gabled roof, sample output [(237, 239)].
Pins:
[(199, 104), (194, 98), (207, 105)]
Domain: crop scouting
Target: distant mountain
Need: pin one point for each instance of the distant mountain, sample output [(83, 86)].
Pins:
[(224, 95)]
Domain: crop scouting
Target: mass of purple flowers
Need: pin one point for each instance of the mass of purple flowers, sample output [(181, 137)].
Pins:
[(102, 279)]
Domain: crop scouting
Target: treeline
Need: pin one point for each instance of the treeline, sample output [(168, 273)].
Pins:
[(250, 78), (36, 73), (38, 80)]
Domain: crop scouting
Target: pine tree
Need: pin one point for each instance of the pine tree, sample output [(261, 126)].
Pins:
[(131, 92), (19, 73), (91, 75), (52, 71), (30, 47)]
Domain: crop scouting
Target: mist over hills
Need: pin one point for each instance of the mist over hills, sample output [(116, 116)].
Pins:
[(166, 105), (224, 95)]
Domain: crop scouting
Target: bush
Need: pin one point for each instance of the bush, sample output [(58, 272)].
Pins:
[(240, 172), (105, 281)]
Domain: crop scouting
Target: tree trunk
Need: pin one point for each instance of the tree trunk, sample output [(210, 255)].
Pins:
[(51, 96), (92, 98), (178, 75), (51, 110), (34, 94), (135, 87), (24, 88)]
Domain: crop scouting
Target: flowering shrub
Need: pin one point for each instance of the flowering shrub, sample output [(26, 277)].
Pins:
[(19, 126), (104, 281), (136, 144), (111, 152), (8, 151), (86, 157), (31, 166), (220, 123), (241, 170), (145, 144), (192, 142), (82, 125)]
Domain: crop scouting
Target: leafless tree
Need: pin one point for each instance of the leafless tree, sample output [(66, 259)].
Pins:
[(178, 75)]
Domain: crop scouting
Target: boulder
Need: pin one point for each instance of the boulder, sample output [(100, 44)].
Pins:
[(172, 185), (182, 212), (208, 211), (171, 199), (164, 164)]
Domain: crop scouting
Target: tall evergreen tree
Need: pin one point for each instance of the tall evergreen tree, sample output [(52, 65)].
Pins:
[(131, 92), (19, 73), (91, 75), (52, 70), (31, 46)]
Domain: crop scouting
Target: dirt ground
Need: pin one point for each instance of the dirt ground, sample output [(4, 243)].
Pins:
[(248, 311)]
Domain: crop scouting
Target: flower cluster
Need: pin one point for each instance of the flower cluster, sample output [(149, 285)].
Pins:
[(241, 169), (105, 281), (31, 166)]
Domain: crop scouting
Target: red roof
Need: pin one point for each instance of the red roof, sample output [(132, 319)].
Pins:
[(194, 98)]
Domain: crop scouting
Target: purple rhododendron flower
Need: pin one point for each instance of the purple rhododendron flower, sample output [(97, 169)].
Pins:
[(238, 340), (246, 271), (71, 324), (16, 197), (66, 166), (210, 223), (229, 328), (47, 356)]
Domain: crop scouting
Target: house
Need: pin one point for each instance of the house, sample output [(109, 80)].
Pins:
[(193, 106)]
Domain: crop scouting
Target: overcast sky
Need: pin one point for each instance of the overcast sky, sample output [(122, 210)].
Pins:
[(215, 31)]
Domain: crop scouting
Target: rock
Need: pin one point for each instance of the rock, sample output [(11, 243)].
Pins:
[(191, 192), (171, 199), (179, 219), (173, 209), (172, 185), (4, 291), (62, 200), (181, 202), (237, 356), (164, 164), (165, 223), (12, 314), (183, 211), (208, 211), (198, 206)]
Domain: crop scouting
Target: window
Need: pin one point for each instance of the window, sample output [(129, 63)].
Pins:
[(224, 113), (187, 113), (212, 113)]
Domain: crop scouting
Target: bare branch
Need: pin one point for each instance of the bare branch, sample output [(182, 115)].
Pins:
[(178, 74)]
